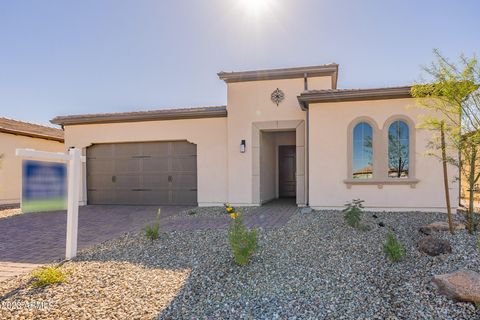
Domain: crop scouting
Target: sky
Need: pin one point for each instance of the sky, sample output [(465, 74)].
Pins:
[(93, 56)]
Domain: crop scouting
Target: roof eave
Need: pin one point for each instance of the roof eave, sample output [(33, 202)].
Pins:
[(150, 116), (354, 95), (277, 74), (31, 135)]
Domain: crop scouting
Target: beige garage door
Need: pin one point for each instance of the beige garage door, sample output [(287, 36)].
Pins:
[(143, 173)]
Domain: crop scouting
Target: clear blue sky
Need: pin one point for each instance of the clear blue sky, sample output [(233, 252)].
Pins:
[(73, 57)]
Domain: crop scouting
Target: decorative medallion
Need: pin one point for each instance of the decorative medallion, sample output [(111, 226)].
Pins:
[(277, 96)]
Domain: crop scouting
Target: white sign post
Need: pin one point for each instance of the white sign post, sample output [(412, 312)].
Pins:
[(74, 160)]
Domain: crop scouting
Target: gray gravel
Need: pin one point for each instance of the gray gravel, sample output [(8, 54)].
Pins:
[(202, 212), (315, 267)]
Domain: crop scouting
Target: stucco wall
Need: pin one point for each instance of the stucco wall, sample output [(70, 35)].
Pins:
[(11, 165), (329, 159), (250, 102), (268, 165), (210, 135)]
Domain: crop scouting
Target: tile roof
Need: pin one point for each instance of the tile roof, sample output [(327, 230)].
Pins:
[(284, 73), (341, 95), (151, 115), (30, 130)]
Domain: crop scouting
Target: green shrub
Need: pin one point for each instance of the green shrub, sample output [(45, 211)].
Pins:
[(352, 213), (47, 276), (393, 248), (243, 242), (152, 231)]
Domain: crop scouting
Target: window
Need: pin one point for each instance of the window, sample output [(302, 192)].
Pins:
[(398, 150), (362, 157)]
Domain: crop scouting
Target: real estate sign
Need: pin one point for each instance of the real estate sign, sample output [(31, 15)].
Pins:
[(44, 186)]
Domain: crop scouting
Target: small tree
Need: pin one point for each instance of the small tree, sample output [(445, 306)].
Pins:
[(453, 95)]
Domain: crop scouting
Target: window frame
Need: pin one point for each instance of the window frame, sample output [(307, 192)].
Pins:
[(375, 145), (380, 153)]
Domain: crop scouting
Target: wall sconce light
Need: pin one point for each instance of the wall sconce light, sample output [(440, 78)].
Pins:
[(242, 146)]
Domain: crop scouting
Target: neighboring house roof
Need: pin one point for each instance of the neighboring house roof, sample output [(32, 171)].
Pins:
[(341, 95), (30, 130), (165, 114), (286, 73)]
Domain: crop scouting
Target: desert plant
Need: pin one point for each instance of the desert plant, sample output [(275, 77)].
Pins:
[(152, 231), (352, 213), (452, 94), (47, 276), (393, 249), (243, 242)]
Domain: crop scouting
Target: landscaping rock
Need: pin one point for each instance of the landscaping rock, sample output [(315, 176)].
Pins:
[(440, 226), (306, 210), (381, 224), (433, 246), (463, 285), (313, 267)]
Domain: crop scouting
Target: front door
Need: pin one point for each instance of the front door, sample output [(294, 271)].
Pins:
[(287, 182)]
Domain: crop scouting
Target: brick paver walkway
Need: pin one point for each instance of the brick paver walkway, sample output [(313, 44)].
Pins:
[(33, 239)]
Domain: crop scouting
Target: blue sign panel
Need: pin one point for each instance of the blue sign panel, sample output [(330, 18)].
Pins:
[(44, 186)]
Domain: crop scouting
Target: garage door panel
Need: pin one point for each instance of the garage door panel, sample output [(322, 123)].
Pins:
[(125, 165), (156, 164), (96, 166), (184, 148), (128, 196), (155, 148), (100, 150), (184, 181), (101, 181), (127, 182), (101, 196), (127, 149), (142, 173), (184, 197), (187, 164), (156, 197), (156, 181)]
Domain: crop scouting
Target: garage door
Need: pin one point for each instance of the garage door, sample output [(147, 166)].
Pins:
[(143, 173)]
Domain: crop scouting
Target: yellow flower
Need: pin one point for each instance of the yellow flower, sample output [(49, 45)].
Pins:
[(229, 209), (233, 215)]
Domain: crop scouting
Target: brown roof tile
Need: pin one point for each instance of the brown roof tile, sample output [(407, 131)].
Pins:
[(30, 130), (341, 95), (152, 115)]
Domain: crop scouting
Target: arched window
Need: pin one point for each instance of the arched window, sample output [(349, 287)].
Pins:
[(398, 150), (362, 156)]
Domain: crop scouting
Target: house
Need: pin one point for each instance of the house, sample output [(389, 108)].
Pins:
[(16, 134), (283, 133)]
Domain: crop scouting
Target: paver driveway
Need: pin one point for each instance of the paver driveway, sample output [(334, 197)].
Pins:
[(40, 237), (32, 239)]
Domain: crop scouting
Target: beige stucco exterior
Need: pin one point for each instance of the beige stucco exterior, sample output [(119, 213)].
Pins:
[(330, 152), (11, 165), (318, 122), (249, 103), (210, 136)]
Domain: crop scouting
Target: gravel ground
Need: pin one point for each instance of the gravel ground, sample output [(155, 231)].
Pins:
[(9, 212), (312, 268), (202, 212)]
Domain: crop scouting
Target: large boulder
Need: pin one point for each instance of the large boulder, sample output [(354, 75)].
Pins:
[(463, 285), (441, 226), (433, 246)]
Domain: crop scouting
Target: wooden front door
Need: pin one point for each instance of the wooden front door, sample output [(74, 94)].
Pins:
[(287, 182)]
